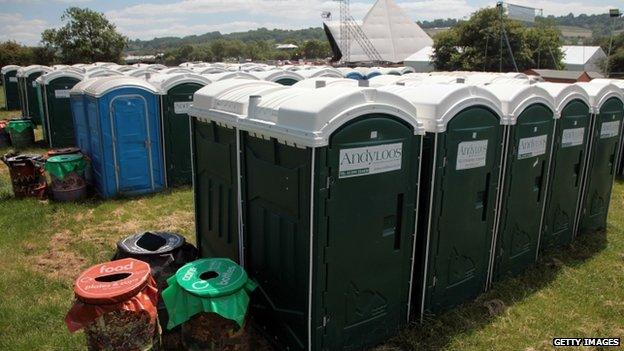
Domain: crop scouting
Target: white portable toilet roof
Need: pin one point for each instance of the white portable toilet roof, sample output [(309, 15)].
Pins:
[(172, 70), (321, 72), (617, 82), (437, 103), (227, 101), (515, 98), (563, 94), (140, 72), (28, 70), (104, 64), (345, 70), (124, 68), (322, 82), (275, 75), (50, 76), (9, 68), (102, 73), (599, 92), (384, 79), (230, 75), (164, 82), (157, 66), (209, 70), (106, 84), (308, 117), (81, 86)]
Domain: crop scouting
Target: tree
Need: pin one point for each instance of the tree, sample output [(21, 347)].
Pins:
[(87, 36), (474, 45), (12, 53)]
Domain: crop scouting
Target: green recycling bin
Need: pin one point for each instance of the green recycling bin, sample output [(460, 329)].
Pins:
[(568, 163), (9, 82), (21, 132), (461, 166), (68, 177), (530, 113), (209, 298), (327, 205), (176, 96), (607, 103)]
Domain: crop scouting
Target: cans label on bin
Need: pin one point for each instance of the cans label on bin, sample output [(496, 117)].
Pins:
[(181, 107), (363, 161), (471, 154), (13, 79), (572, 137), (609, 129), (61, 94), (532, 147)]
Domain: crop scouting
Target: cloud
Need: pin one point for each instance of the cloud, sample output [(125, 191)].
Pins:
[(13, 26), (562, 8)]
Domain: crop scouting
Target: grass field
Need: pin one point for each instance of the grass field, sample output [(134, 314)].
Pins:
[(576, 292)]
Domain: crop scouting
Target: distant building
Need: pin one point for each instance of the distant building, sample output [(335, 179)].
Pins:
[(130, 59), (286, 47), (422, 60), (555, 76), (390, 30), (583, 58)]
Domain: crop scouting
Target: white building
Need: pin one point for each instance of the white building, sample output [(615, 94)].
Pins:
[(422, 60), (390, 30), (583, 58)]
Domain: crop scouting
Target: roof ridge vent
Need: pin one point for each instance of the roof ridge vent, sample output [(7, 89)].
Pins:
[(254, 101), (320, 84)]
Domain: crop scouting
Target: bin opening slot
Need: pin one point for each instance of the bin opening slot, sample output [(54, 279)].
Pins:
[(151, 242), (208, 275), (112, 277)]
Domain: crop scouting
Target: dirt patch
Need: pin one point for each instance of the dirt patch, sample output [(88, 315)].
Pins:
[(59, 261)]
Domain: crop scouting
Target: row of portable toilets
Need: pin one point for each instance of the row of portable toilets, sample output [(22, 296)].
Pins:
[(358, 209), (69, 103), (358, 205)]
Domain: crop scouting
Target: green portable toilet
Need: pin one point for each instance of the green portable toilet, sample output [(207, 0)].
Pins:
[(606, 102), (568, 163), (460, 175), (329, 194), (620, 164), (59, 125), (9, 82), (27, 77), (530, 115), (176, 95), (279, 76)]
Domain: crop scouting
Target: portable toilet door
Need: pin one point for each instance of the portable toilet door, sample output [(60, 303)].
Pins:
[(57, 107), (531, 116), (9, 82), (607, 109), (79, 115), (29, 85), (620, 164), (125, 133), (568, 163), (461, 168), (216, 186), (176, 97), (299, 146)]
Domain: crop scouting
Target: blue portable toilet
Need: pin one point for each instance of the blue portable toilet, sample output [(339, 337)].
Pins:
[(355, 75), (125, 136), (79, 114), (374, 73)]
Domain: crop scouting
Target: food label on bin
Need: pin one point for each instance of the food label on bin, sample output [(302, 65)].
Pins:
[(363, 161), (112, 279), (572, 137), (471, 154), (181, 107), (609, 129), (61, 94), (532, 147)]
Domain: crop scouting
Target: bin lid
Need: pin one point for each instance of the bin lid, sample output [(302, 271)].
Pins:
[(151, 243), (516, 97), (9, 68), (164, 82), (321, 82), (61, 73), (230, 75), (227, 101), (62, 165), (19, 125), (112, 282), (599, 92), (211, 277), (308, 117), (105, 85), (438, 103), (278, 74), (563, 94), (65, 158), (28, 70)]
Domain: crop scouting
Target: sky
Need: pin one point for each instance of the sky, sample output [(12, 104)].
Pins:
[(24, 20)]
